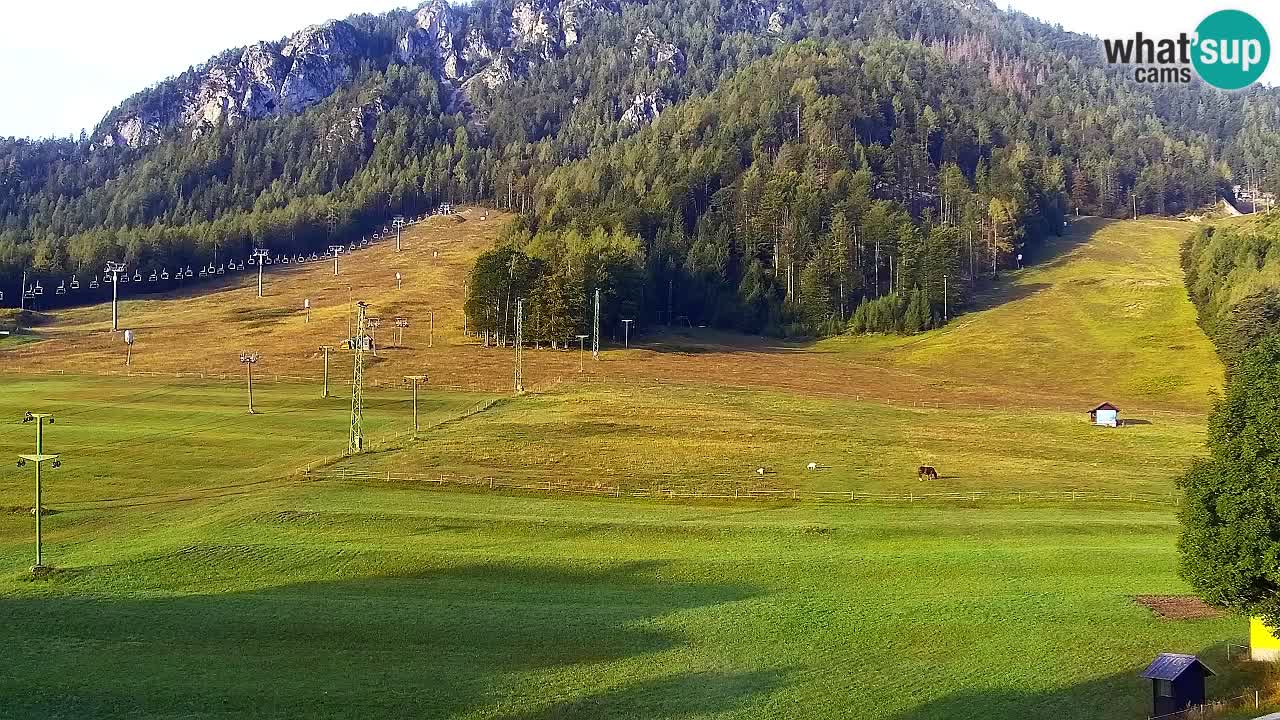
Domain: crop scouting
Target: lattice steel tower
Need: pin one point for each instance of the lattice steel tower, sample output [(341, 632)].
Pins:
[(355, 442)]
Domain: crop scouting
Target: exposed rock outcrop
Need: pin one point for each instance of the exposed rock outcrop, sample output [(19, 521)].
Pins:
[(271, 79), (644, 109)]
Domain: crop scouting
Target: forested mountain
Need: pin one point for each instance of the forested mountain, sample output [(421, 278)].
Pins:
[(772, 166)]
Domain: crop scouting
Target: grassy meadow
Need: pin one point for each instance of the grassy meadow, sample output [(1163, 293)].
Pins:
[(200, 575)]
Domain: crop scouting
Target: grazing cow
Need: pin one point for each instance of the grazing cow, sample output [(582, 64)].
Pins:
[(926, 471)]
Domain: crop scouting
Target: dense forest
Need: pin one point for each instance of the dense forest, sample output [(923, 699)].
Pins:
[(799, 168), (1230, 519)]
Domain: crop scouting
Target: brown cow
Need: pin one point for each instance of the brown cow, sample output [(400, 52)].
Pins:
[(926, 471)]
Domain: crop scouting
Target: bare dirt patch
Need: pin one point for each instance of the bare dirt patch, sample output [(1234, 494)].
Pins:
[(1178, 607)]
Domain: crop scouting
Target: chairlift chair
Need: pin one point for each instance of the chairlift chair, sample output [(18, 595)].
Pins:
[(285, 261), (250, 261), (75, 284), (164, 275), (62, 288), (124, 277), (37, 290), (212, 269), (106, 277), (189, 274), (137, 276), (154, 276), (204, 272), (93, 284), (222, 269)]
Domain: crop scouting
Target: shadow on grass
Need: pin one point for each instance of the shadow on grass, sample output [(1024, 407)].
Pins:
[(435, 643), (1120, 696), (700, 693)]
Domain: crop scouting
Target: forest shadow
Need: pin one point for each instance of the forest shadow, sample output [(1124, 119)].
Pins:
[(1120, 696), (431, 644), (1133, 421)]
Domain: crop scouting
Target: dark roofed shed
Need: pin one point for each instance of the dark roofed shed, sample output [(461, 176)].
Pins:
[(1177, 682)]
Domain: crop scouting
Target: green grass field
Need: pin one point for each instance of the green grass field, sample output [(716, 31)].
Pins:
[(202, 576)]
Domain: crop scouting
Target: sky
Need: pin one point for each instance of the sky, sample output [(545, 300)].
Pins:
[(65, 63)]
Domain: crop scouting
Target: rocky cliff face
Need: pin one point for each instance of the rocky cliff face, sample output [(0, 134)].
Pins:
[(272, 79), (264, 79)]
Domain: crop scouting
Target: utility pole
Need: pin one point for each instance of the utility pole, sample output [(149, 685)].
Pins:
[(581, 350), (415, 379), (945, 316), (626, 333), (397, 223), (355, 441), (249, 360), (115, 268), (326, 349), (431, 338), (22, 292), (39, 459), (464, 309), (595, 329), (336, 250), (259, 255), (517, 371)]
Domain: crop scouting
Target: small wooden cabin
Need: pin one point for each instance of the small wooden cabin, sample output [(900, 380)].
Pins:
[(1177, 682), (1106, 414)]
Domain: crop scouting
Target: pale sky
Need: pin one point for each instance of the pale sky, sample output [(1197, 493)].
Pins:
[(65, 63)]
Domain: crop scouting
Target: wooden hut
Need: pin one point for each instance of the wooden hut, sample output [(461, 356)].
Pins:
[(1177, 682), (1106, 415)]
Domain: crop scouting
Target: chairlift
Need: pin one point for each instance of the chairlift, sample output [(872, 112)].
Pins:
[(37, 290), (93, 284), (285, 261), (154, 276), (250, 261), (212, 269), (62, 288), (222, 269), (137, 276), (75, 284), (106, 277), (204, 271), (164, 275), (188, 273), (351, 247), (124, 277), (314, 257)]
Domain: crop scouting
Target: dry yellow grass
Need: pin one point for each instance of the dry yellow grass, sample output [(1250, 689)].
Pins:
[(1107, 319)]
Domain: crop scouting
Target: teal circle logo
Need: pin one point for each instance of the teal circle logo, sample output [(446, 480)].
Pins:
[(1232, 49)]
